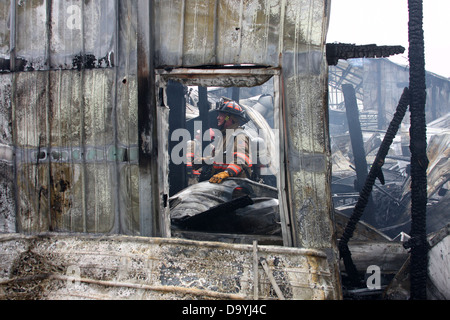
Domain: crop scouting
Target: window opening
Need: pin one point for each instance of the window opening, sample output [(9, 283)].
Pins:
[(244, 206)]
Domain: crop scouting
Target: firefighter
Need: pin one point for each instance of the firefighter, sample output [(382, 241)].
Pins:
[(232, 158)]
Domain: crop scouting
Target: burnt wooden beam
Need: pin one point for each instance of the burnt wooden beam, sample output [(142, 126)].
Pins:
[(336, 51), (357, 142), (356, 138), (418, 146)]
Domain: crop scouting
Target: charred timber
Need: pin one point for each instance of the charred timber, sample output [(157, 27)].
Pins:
[(418, 147), (336, 51), (356, 138), (375, 172)]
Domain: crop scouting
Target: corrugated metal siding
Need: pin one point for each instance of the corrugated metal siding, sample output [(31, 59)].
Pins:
[(67, 154), (75, 122), (192, 32), (59, 34)]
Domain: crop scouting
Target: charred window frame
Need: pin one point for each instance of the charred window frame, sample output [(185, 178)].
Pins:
[(224, 77)]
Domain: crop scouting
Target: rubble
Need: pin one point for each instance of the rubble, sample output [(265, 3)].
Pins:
[(392, 211)]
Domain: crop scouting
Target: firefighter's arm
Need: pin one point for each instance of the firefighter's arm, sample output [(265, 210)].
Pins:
[(232, 170), (200, 162), (241, 160)]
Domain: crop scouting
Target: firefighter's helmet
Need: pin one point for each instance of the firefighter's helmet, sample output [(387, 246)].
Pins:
[(233, 108)]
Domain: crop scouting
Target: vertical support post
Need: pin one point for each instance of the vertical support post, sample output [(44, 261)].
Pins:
[(354, 127), (255, 271), (235, 94), (203, 107), (149, 196), (177, 119), (357, 142), (418, 146)]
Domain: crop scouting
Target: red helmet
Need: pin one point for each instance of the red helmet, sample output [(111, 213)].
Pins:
[(232, 107)]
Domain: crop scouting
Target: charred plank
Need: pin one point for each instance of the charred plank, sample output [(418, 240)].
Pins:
[(336, 51)]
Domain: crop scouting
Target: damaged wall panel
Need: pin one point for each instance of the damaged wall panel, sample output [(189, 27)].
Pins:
[(306, 126), (215, 32), (76, 163), (65, 150), (58, 267), (193, 33), (63, 34)]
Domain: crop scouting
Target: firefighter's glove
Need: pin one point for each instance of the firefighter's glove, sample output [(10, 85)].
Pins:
[(218, 178)]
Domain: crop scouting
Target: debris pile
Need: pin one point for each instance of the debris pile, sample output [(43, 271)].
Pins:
[(387, 217)]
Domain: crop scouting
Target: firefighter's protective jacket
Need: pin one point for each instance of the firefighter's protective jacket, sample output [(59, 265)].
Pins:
[(233, 154)]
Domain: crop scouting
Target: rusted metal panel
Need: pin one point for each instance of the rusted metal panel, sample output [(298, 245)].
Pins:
[(86, 27), (111, 267)]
